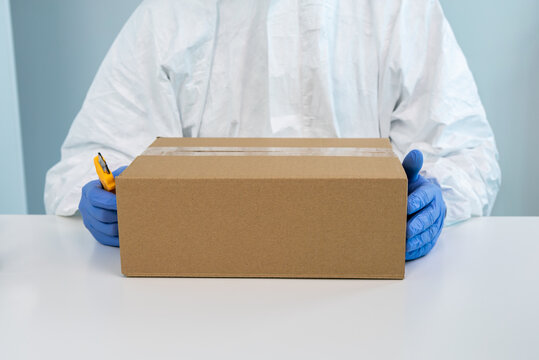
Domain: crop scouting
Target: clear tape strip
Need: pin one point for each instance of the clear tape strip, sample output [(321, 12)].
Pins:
[(268, 151)]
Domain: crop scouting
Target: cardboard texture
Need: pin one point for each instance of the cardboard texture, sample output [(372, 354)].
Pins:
[(293, 216)]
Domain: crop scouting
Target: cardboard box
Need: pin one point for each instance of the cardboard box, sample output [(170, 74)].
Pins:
[(240, 207)]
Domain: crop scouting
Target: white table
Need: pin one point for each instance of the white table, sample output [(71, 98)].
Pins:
[(62, 296)]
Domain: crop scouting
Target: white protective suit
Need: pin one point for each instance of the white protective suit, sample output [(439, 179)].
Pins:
[(307, 68)]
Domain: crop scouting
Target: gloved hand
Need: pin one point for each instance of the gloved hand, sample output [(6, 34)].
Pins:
[(426, 208), (98, 209)]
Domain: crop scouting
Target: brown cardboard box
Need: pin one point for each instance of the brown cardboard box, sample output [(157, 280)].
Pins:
[(298, 208)]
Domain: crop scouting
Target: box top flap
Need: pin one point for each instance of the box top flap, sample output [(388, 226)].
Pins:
[(273, 142), (266, 158)]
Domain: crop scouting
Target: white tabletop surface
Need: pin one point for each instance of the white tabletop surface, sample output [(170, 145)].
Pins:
[(62, 296)]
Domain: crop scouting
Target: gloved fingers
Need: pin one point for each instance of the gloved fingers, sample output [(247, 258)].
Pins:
[(99, 197), (423, 219), (422, 251), (419, 240), (412, 164), (109, 229), (425, 249), (421, 197), (100, 237), (119, 170), (102, 215)]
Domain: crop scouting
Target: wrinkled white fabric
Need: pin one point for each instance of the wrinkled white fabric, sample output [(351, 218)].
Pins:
[(307, 68)]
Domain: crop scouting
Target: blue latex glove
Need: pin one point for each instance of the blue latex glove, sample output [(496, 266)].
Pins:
[(98, 209), (426, 209)]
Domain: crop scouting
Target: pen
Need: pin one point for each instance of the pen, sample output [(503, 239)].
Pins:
[(105, 176)]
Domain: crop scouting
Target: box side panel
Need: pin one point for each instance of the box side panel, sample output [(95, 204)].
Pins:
[(263, 228)]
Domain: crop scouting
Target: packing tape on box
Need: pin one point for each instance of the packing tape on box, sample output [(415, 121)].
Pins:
[(267, 151)]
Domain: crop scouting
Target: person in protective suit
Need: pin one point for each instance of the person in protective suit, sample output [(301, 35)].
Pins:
[(350, 68)]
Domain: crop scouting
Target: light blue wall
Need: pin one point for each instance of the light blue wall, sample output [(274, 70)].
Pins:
[(12, 189), (60, 43), (500, 40)]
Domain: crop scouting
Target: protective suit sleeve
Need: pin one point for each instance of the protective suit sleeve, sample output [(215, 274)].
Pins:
[(435, 107), (130, 102)]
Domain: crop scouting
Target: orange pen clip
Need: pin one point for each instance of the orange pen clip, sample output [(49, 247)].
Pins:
[(105, 176)]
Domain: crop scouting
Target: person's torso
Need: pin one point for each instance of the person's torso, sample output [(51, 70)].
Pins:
[(279, 69)]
